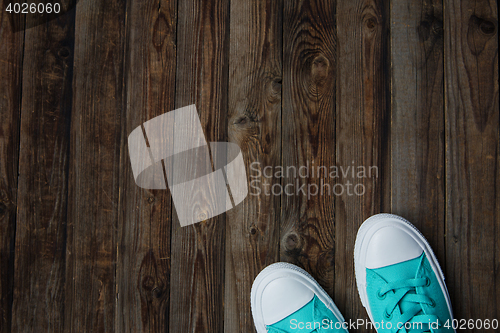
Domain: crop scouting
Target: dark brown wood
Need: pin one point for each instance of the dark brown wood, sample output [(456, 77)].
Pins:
[(417, 117), (197, 273), (254, 123), (472, 173), (307, 227), (94, 167), (43, 177), (361, 137), (409, 87), (11, 55), (143, 267)]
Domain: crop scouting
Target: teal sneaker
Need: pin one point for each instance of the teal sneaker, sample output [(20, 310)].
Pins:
[(399, 279), (286, 299)]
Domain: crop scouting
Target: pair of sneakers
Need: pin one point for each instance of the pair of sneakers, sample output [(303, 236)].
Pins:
[(399, 282)]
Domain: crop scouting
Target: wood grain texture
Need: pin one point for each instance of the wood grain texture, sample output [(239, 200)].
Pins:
[(43, 177), (94, 167), (143, 267), (409, 87), (11, 55), (254, 123), (309, 80), (197, 255), (472, 173), (361, 136), (417, 117)]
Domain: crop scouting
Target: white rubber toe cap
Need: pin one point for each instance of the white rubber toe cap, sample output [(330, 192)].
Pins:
[(389, 246), (281, 289), (282, 297)]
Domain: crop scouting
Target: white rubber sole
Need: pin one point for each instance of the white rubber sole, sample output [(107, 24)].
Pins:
[(280, 270), (372, 225)]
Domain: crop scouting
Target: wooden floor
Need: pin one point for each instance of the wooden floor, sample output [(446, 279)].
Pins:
[(409, 87)]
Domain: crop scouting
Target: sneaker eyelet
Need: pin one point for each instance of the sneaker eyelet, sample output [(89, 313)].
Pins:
[(380, 296), (387, 316), (427, 282), (433, 303)]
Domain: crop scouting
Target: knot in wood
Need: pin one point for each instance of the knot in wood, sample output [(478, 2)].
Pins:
[(148, 283), (430, 27), (63, 53), (480, 33), (292, 242), (319, 68), (3, 209), (160, 31), (371, 23), (487, 27), (156, 292)]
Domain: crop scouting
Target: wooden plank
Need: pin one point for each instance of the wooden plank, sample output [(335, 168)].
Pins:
[(197, 271), (472, 173), (43, 177), (11, 55), (361, 134), (417, 117), (143, 268), (307, 228), (254, 123), (94, 167)]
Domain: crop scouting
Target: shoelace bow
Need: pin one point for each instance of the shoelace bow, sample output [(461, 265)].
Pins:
[(402, 289)]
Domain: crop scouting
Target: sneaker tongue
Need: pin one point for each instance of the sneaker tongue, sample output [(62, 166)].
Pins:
[(400, 271)]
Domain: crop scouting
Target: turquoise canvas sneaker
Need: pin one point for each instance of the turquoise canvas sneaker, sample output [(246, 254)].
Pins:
[(399, 279), (286, 299)]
